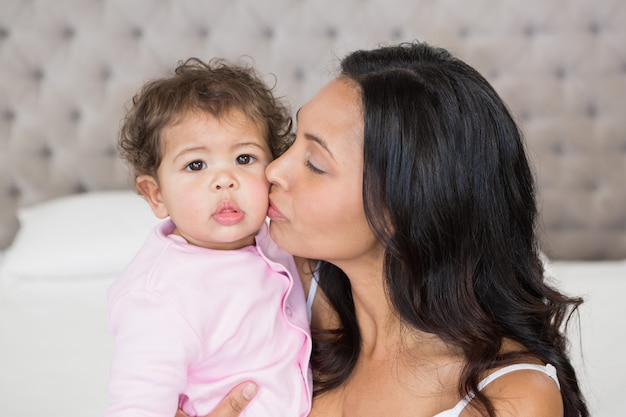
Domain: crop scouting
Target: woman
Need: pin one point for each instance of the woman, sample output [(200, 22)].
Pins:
[(409, 180)]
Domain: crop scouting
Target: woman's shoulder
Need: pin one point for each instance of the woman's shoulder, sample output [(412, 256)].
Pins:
[(321, 312), (525, 390), (305, 268)]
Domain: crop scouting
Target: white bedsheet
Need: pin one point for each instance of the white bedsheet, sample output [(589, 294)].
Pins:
[(55, 349)]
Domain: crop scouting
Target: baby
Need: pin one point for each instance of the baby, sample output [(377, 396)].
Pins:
[(210, 300)]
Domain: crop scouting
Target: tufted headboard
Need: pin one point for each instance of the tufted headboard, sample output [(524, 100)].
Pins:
[(68, 67)]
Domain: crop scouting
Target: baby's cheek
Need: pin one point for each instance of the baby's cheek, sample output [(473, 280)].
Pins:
[(259, 189)]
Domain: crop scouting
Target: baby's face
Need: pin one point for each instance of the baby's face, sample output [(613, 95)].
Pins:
[(212, 179)]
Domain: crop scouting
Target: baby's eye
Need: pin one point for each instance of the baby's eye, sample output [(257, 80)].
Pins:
[(195, 166), (245, 159)]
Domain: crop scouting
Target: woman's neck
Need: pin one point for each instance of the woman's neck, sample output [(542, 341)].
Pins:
[(383, 332), (380, 326)]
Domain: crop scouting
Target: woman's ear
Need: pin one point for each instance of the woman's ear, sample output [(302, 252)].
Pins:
[(148, 186)]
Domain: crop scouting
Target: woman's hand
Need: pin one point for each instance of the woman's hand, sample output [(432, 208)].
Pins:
[(233, 404)]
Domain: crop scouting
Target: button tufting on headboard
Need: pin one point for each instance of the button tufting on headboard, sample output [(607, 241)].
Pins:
[(69, 68)]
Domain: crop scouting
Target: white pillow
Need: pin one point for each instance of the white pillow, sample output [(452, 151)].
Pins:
[(83, 235)]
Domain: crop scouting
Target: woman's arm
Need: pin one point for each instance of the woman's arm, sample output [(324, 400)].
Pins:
[(233, 404)]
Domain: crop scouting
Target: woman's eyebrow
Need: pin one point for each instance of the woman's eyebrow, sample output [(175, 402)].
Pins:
[(320, 142), (316, 139)]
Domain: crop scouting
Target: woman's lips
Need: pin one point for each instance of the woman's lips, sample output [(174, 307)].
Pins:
[(228, 214), (273, 213)]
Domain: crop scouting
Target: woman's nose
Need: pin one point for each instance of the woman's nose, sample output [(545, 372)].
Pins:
[(275, 171)]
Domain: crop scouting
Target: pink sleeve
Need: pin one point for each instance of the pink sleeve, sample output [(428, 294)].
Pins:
[(153, 345)]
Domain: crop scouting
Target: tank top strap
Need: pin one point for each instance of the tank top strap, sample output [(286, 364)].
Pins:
[(546, 369), (312, 290)]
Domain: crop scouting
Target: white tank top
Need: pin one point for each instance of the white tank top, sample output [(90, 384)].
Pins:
[(458, 408), (312, 290)]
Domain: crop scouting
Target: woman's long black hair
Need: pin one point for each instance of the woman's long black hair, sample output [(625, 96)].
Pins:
[(449, 192)]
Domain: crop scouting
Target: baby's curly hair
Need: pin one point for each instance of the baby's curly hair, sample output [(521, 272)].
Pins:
[(216, 87)]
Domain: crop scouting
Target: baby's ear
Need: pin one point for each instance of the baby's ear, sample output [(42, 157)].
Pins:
[(148, 186)]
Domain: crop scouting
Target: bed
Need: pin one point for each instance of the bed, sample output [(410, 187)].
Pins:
[(69, 220), (55, 349)]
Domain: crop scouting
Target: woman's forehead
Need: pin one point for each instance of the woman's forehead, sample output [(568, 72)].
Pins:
[(334, 112), (339, 91)]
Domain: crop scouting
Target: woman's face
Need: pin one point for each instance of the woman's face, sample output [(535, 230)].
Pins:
[(316, 203)]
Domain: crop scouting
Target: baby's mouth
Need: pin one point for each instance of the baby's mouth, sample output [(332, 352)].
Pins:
[(228, 214)]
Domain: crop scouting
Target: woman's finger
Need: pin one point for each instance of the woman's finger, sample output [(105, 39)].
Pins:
[(235, 401), (179, 413)]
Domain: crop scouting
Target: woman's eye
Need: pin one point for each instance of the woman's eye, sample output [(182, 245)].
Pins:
[(195, 166), (245, 159), (313, 168)]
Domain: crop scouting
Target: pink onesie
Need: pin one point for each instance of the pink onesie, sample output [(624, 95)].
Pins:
[(190, 323)]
